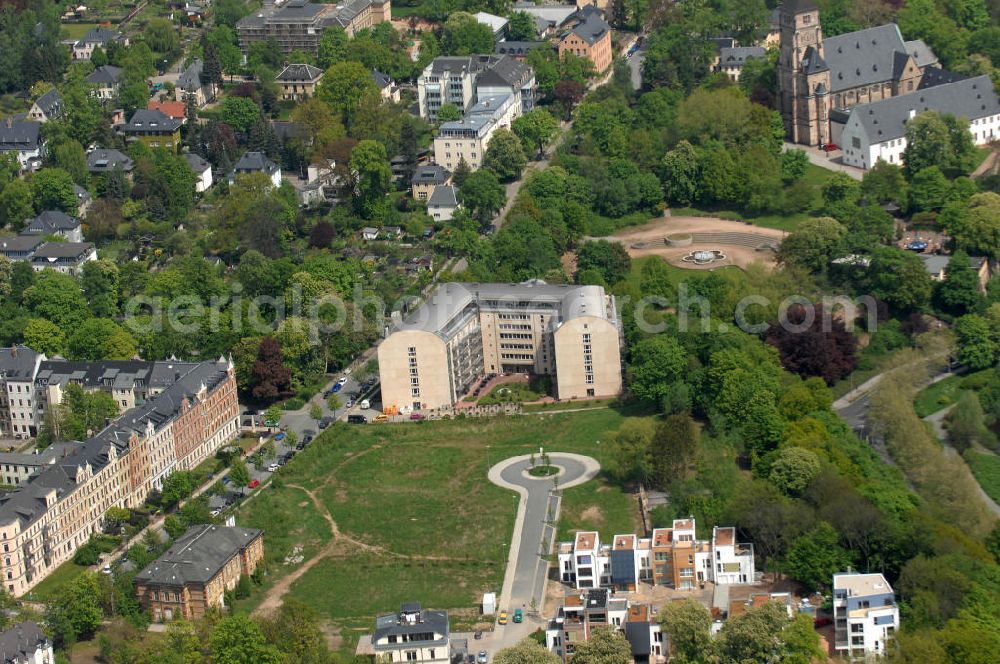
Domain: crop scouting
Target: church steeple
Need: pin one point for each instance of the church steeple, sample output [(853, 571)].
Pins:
[(801, 72)]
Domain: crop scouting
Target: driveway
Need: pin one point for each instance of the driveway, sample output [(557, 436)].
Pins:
[(819, 158), (534, 534)]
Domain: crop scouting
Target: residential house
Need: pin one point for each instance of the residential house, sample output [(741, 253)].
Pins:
[(549, 17), (498, 24), (414, 634), (18, 367), (193, 83), (20, 247), (202, 169), (47, 518), (23, 137), (106, 80), (299, 81), (590, 39), (55, 222), (65, 257), (26, 643), (369, 233), (426, 178), (463, 81), (107, 160), (580, 614), (872, 132), (297, 25), (865, 614), (257, 162), (176, 110), (47, 107), (937, 266), (96, 38), (443, 203), (465, 331), (468, 138), (386, 86), (392, 232), (194, 574), (153, 128), (732, 59)]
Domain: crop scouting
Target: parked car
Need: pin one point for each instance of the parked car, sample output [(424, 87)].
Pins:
[(343, 379), (306, 439), (324, 423), (416, 416), (301, 445), (350, 402), (503, 618), (357, 419), (217, 511), (225, 479), (481, 658), (518, 615), (478, 635), (365, 404), (253, 484), (273, 467), (280, 437), (336, 388), (381, 417)]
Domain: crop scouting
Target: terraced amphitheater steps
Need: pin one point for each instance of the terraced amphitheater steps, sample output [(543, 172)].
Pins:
[(752, 240)]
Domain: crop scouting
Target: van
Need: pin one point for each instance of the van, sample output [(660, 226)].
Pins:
[(381, 417), (357, 419), (365, 404)]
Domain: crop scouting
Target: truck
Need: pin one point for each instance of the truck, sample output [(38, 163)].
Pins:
[(365, 404)]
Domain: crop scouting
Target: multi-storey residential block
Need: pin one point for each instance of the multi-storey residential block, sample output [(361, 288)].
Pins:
[(465, 331), (197, 570), (202, 169), (18, 367), (24, 138), (591, 39), (463, 81), (257, 162), (47, 518), (865, 614), (105, 160), (299, 81), (467, 139), (412, 635), (426, 178), (65, 257), (19, 467), (26, 643), (581, 614), (154, 128), (193, 84), (672, 557), (106, 80), (297, 25)]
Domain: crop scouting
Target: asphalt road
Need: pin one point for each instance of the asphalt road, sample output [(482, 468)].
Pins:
[(635, 66), (534, 534)]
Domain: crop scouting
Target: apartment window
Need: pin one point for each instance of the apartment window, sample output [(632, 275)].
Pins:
[(431, 653), (411, 655), (415, 392)]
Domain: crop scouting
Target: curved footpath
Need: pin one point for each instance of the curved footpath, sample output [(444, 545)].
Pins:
[(534, 532)]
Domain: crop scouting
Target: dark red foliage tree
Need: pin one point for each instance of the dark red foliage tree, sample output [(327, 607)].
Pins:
[(271, 377), (822, 347), (322, 235)]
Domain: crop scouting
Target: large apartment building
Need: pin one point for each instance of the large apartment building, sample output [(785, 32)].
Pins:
[(18, 367), (865, 614), (463, 80), (53, 513), (582, 613), (465, 331), (672, 557), (467, 139), (297, 25)]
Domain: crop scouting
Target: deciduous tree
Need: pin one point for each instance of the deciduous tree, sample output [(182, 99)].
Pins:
[(505, 155)]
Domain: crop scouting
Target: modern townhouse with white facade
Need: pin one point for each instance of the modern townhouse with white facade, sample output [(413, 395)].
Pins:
[(467, 139), (865, 614), (412, 635), (580, 614), (464, 80)]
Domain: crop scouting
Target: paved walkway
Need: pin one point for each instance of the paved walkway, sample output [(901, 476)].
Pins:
[(936, 420), (819, 158), (534, 533)]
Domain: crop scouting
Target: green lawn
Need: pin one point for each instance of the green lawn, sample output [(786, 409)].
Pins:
[(946, 392), (77, 30), (417, 491), (986, 468), (54, 584)]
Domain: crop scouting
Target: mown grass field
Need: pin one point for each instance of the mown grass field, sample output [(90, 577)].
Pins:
[(419, 519), (986, 468)]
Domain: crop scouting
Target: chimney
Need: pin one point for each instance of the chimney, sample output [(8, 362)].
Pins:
[(10, 122), (13, 351)]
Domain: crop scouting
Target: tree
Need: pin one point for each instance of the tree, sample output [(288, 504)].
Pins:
[(344, 86), (521, 27), (814, 244), (240, 113), (754, 636), (322, 235), (69, 156), (958, 292), (449, 112), (505, 155), (315, 411), (812, 342), (6, 271), (816, 556), (536, 129), (16, 204), (332, 46), (176, 487), (100, 282), (295, 631), (45, 337), (899, 278), (801, 641), (977, 348), (527, 651), (482, 194), (656, 363), (884, 182), (271, 378), (116, 516), (793, 165), (631, 455), (237, 639), (673, 448), (101, 339), (794, 469), (974, 227), (75, 613), (679, 174), (610, 259), (239, 474), (374, 177), (605, 646), (688, 625), (568, 93), (52, 189), (161, 36), (464, 35), (58, 298), (966, 424), (938, 139), (929, 189)]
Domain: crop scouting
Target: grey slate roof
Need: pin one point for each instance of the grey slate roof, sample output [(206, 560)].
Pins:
[(863, 57), (936, 76), (381, 80), (102, 160), (99, 36), (426, 621), (52, 221), (430, 174), (18, 362), (518, 48), (198, 555), (505, 70), (255, 162), (104, 75), (145, 119), (443, 196), (921, 52), (61, 251), (970, 98), (797, 6), (20, 135), (737, 57), (813, 62), (116, 374), (592, 29), (49, 103), (19, 243), (196, 162), (19, 643), (299, 72), (190, 78)]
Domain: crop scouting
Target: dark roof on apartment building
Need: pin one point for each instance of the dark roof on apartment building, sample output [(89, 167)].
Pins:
[(104, 75), (102, 160), (18, 362), (737, 56), (430, 174), (146, 118), (20, 243), (197, 163), (99, 36), (637, 633), (299, 72), (52, 221), (198, 555), (411, 619), (592, 29), (519, 48), (505, 70), (49, 103), (19, 643), (19, 134), (255, 162), (382, 80), (190, 78)]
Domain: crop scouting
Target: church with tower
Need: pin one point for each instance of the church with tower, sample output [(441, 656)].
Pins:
[(817, 76)]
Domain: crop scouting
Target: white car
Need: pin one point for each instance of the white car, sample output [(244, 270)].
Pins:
[(342, 381), (350, 402), (273, 467), (217, 511)]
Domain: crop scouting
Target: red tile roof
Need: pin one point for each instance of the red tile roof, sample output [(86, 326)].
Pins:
[(173, 109)]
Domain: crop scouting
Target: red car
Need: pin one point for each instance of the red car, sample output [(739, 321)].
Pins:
[(416, 416), (831, 147), (253, 484)]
